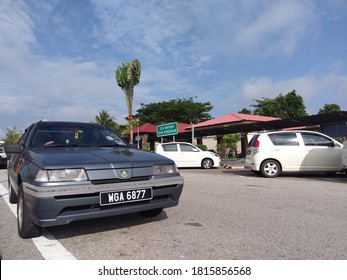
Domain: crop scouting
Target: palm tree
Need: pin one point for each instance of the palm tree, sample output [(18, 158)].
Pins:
[(104, 118), (128, 76)]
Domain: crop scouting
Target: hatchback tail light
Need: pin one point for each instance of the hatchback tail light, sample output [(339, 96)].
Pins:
[(256, 146)]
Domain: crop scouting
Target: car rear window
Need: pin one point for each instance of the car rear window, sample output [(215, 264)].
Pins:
[(170, 148), (284, 139)]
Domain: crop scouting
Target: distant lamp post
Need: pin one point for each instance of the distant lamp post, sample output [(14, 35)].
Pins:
[(138, 132)]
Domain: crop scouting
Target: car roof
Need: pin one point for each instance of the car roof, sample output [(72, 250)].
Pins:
[(176, 143), (68, 122), (290, 131)]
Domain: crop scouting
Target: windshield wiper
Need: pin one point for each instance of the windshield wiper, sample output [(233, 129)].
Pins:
[(62, 145), (111, 145)]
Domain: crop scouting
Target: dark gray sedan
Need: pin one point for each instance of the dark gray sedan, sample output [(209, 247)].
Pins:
[(61, 172)]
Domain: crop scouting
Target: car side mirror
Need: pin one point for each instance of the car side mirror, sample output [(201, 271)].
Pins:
[(13, 148)]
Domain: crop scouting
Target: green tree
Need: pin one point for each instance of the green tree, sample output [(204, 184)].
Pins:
[(176, 110), (230, 143), (329, 108), (245, 111), (12, 135), (128, 76), (104, 118), (286, 106)]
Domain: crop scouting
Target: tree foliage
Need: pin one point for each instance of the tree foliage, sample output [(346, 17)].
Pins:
[(286, 106), (12, 135), (245, 111), (176, 110), (230, 142), (329, 108), (105, 119), (128, 76)]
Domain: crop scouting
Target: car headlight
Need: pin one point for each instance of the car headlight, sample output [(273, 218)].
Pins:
[(61, 175), (161, 169)]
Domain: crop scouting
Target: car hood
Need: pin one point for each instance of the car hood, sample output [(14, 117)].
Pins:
[(94, 158)]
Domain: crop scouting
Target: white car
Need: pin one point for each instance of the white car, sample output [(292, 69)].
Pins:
[(271, 153), (344, 155), (3, 157), (187, 155)]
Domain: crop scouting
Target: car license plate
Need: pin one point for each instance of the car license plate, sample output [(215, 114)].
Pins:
[(107, 198)]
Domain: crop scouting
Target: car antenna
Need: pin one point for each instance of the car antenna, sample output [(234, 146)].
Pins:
[(44, 112)]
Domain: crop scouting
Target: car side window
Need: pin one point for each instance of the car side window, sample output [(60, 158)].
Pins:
[(187, 148), (170, 148), (316, 140), (284, 139)]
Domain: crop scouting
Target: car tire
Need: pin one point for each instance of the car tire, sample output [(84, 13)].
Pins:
[(26, 227), (207, 163), (270, 168), (152, 213)]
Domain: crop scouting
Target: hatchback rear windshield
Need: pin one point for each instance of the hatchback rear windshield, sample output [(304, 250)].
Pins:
[(253, 140)]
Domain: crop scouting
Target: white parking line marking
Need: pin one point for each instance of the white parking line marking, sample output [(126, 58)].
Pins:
[(48, 246)]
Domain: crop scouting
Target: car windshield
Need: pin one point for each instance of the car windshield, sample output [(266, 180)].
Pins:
[(74, 135)]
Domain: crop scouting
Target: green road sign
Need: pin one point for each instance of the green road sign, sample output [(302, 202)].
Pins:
[(167, 129)]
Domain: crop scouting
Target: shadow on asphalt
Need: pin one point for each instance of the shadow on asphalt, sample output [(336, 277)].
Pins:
[(318, 176), (121, 222)]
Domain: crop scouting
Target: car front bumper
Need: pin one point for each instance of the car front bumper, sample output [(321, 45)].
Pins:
[(63, 204)]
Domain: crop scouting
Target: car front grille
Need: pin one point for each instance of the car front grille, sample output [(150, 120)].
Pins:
[(115, 180)]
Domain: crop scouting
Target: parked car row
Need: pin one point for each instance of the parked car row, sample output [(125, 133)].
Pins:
[(271, 153), (61, 172)]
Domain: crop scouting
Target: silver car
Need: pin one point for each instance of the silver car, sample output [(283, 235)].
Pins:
[(270, 153)]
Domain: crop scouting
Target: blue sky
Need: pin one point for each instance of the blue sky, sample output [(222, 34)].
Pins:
[(229, 52)]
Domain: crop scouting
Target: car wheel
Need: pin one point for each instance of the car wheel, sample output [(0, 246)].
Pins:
[(12, 196), (152, 213), (270, 168), (26, 227), (207, 163)]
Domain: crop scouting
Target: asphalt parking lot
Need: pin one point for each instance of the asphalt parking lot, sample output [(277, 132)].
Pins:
[(222, 214)]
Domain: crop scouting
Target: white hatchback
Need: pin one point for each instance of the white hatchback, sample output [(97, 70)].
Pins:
[(187, 155), (344, 155), (271, 153)]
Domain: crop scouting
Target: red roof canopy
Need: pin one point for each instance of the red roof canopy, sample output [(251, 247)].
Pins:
[(235, 118)]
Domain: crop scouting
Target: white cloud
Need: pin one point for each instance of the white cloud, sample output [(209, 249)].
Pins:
[(278, 29)]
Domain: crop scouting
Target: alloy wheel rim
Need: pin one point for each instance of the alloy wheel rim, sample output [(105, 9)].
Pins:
[(270, 169)]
